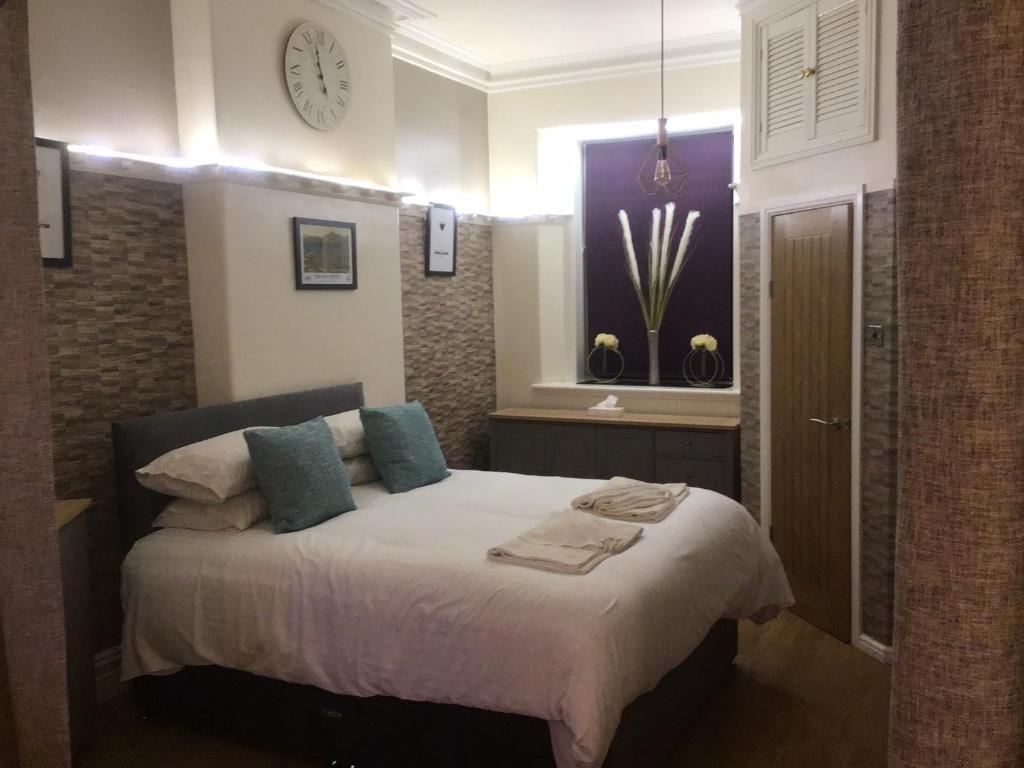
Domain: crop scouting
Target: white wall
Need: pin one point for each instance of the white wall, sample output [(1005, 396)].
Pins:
[(256, 334), (441, 139), (103, 73), (255, 115), (873, 165), (516, 117)]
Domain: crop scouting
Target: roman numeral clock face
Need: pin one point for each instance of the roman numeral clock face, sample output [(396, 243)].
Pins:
[(316, 72)]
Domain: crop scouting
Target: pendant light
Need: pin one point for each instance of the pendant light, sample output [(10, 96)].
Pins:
[(662, 173)]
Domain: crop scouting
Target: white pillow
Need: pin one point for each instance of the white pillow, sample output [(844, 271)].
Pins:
[(361, 470), (210, 471), (213, 471), (349, 436), (235, 514)]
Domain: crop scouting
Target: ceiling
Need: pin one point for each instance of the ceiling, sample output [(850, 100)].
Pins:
[(500, 33), (497, 45)]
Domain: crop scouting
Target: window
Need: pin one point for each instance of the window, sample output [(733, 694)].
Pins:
[(813, 79), (702, 301)]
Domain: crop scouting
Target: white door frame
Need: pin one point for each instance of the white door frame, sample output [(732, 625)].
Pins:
[(854, 196)]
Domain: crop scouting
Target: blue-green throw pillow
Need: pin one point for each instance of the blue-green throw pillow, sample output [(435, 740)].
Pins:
[(404, 446), (300, 473)]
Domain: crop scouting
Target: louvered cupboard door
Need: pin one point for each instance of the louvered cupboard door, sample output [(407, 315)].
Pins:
[(814, 78), (786, 53), (839, 68), (811, 324)]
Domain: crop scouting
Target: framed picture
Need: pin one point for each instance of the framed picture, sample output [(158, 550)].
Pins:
[(441, 238), (53, 179), (325, 255)]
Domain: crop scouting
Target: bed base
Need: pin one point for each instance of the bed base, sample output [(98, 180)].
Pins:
[(383, 732)]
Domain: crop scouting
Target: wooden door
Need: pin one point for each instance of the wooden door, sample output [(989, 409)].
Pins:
[(811, 324)]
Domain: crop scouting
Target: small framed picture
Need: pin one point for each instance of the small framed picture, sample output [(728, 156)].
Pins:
[(325, 255), (53, 179), (441, 239)]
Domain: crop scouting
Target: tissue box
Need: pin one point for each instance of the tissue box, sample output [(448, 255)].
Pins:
[(597, 410)]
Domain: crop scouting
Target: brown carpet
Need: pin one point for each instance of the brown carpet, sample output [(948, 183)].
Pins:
[(796, 699)]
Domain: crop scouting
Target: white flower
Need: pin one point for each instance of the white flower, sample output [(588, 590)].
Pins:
[(704, 341), (606, 340)]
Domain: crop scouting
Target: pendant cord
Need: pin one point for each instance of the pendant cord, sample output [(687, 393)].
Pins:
[(662, 58)]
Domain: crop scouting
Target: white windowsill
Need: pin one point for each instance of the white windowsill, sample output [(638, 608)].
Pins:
[(654, 393)]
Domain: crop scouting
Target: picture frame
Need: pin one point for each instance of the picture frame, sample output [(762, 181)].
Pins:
[(53, 184), (442, 241), (325, 255)]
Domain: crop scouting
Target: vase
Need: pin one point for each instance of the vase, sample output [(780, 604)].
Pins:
[(653, 372), (605, 365), (701, 367)]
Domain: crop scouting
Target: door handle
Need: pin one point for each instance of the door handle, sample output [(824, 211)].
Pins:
[(834, 422)]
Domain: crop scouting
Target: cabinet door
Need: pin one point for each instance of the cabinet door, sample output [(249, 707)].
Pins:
[(520, 447), (573, 451), (627, 452)]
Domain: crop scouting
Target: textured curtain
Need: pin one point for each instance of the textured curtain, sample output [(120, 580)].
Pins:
[(33, 698), (958, 684)]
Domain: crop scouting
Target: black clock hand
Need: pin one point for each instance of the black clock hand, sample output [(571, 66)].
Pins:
[(320, 70)]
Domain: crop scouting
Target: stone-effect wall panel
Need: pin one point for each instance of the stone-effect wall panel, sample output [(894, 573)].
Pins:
[(119, 331), (750, 362), (878, 432), (449, 338)]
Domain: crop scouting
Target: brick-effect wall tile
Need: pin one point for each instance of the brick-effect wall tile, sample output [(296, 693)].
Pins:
[(879, 410), (119, 331), (750, 361), (449, 339)]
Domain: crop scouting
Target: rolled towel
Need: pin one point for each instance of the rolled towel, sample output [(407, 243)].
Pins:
[(624, 499), (569, 542)]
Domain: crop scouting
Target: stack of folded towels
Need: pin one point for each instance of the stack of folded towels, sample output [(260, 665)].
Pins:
[(624, 499), (575, 541)]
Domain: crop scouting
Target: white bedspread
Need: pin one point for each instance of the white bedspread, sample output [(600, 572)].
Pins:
[(398, 598)]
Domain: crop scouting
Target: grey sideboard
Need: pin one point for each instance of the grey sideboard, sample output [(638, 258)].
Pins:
[(702, 451)]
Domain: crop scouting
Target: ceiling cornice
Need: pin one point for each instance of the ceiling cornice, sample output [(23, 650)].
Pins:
[(431, 53), (423, 49), (385, 14)]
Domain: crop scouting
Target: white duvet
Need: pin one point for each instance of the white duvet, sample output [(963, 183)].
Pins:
[(398, 598)]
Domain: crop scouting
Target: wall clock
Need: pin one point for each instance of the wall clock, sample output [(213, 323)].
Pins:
[(317, 75)]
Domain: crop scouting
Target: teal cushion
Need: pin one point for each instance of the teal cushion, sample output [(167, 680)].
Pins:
[(300, 473), (404, 446)]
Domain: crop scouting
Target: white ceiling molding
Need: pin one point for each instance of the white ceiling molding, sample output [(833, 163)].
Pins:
[(679, 54), (380, 13), (435, 55)]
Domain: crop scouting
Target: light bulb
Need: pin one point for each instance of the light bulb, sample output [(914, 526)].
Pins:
[(662, 173)]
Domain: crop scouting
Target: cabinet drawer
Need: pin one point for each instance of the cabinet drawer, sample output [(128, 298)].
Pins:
[(716, 446), (626, 452), (519, 447), (713, 475)]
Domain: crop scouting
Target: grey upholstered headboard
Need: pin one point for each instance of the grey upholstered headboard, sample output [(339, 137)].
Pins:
[(138, 441)]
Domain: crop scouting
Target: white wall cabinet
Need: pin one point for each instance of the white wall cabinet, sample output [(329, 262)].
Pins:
[(813, 78)]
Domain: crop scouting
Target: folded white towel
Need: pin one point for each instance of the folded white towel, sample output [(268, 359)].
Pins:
[(624, 499), (567, 542)]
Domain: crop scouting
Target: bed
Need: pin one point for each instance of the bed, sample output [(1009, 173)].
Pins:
[(396, 600)]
